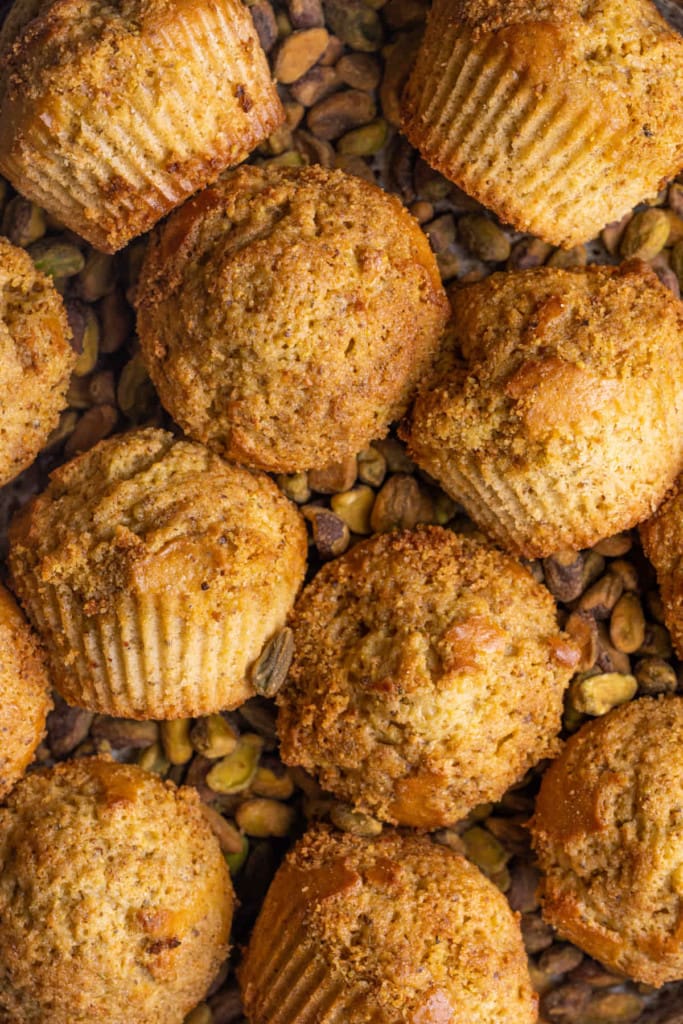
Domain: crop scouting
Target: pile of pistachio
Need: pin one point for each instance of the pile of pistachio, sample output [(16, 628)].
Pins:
[(342, 65)]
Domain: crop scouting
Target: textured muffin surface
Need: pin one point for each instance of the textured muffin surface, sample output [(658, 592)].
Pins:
[(662, 538), (286, 316), (24, 693), (115, 899), (35, 359), (608, 831), (155, 572), (559, 116), (558, 416), (394, 930), (111, 114), (428, 676)]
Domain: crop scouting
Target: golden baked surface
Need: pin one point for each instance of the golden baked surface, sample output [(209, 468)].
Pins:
[(428, 676), (24, 693), (561, 423), (35, 359), (662, 538), (115, 899), (286, 316), (559, 116), (393, 930), (608, 831), (155, 571), (113, 113)]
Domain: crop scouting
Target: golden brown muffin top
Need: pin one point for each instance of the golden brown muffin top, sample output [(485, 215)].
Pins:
[(24, 693), (287, 315), (148, 511), (114, 896), (428, 676), (410, 929), (35, 359), (662, 538), (608, 830), (493, 15)]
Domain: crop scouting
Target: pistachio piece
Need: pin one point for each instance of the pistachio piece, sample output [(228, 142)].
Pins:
[(614, 547), (400, 505), (213, 736), (125, 732), (614, 1008), (200, 1015), (305, 13), (331, 535), (646, 235), (299, 52), (295, 486), (582, 627), (135, 393), (676, 260), (312, 87), (537, 935), (356, 24), (564, 575), (355, 822), (98, 276), (226, 834), (262, 818), (612, 234), (657, 641), (559, 958), (485, 239), (236, 860), (94, 425), (365, 141), (270, 670), (233, 774), (627, 573), (23, 222), (596, 695), (66, 727), (360, 71), (339, 113), (602, 596), (528, 253), (399, 58), (153, 759), (372, 466), (116, 317), (487, 852), (266, 26), (610, 658), (566, 258), (441, 232), (175, 737), (85, 335), (333, 479), (56, 258), (272, 780), (655, 676), (355, 508), (627, 624)]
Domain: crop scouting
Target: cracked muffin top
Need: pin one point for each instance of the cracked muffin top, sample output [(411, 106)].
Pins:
[(557, 417), (428, 676), (608, 831), (287, 315), (392, 930), (24, 693), (36, 359), (115, 899)]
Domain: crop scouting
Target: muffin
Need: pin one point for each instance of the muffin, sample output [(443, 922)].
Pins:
[(557, 418), (662, 538), (112, 114), (608, 831), (24, 693), (428, 676), (36, 359), (287, 315), (115, 898), (560, 117), (155, 572), (394, 930)]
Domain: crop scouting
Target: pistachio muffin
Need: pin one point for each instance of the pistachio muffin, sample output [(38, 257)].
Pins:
[(115, 899), (36, 359), (155, 572), (287, 315), (662, 538), (558, 418), (24, 693), (393, 930), (428, 676), (559, 116), (608, 831), (112, 114)]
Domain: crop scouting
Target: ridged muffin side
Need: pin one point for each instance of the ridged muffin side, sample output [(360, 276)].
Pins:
[(110, 116), (24, 693), (558, 116), (378, 931), (36, 359), (155, 572), (557, 419), (115, 898), (662, 538)]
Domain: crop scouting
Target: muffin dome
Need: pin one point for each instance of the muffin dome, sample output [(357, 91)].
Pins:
[(394, 929), (24, 693), (155, 572), (662, 537), (115, 898), (35, 359), (608, 831), (286, 316), (428, 676), (558, 418), (111, 114), (560, 116)]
